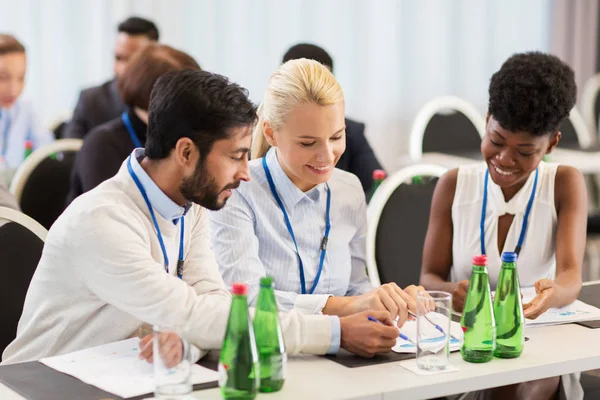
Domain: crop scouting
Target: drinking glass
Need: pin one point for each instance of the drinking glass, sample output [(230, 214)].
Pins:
[(172, 366), (434, 310)]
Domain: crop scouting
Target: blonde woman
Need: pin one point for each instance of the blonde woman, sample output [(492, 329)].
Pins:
[(299, 219)]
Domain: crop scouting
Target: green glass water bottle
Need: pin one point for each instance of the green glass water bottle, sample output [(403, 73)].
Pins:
[(28, 149), (477, 320), (238, 363), (269, 339), (378, 177), (508, 310)]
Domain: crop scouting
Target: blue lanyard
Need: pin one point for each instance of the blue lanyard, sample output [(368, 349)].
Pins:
[(288, 224), (525, 218), (130, 130), (5, 133), (160, 238)]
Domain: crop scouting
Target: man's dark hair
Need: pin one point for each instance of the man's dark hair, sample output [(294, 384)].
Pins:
[(146, 66), (139, 26), (309, 51), (198, 105), (532, 92), (9, 44)]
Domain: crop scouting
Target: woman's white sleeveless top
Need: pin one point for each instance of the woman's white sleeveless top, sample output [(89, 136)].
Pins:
[(537, 257)]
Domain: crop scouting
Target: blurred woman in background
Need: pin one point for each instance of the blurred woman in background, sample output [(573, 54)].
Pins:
[(108, 145)]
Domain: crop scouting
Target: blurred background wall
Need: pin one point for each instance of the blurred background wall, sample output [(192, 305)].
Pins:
[(391, 56)]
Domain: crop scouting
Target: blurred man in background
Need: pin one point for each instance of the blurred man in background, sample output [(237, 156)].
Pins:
[(103, 103)]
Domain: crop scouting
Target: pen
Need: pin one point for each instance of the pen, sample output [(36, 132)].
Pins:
[(439, 328), (401, 335)]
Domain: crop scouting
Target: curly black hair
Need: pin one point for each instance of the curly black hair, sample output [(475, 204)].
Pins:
[(532, 92)]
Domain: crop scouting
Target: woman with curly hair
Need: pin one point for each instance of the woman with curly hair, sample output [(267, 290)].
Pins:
[(483, 208)]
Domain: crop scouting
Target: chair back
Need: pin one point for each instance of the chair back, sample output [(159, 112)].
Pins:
[(42, 182), (21, 244), (447, 124), (590, 104), (398, 216), (574, 133)]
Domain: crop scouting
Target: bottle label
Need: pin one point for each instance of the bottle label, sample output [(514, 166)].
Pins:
[(222, 375)]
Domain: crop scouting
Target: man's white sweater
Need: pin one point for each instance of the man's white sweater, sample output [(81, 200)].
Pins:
[(102, 276)]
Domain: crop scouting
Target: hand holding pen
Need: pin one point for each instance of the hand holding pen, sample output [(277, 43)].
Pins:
[(400, 334), (364, 338)]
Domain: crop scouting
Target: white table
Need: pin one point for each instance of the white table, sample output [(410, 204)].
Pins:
[(312, 377), (445, 160), (586, 162)]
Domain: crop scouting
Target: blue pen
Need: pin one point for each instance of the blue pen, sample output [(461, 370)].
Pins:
[(439, 328), (402, 335)]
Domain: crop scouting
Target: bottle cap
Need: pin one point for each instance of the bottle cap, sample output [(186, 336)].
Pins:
[(379, 174), (480, 260), (28, 144), (509, 257), (266, 281), (239, 289)]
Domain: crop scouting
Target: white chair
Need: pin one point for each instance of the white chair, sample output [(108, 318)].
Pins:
[(21, 244), (39, 155), (10, 215), (441, 106), (590, 106), (575, 132), (406, 215), (42, 182)]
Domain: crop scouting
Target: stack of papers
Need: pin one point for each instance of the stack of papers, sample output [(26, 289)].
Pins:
[(116, 368), (574, 312), (433, 336)]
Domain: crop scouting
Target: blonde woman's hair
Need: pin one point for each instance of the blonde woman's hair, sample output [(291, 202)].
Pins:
[(295, 82)]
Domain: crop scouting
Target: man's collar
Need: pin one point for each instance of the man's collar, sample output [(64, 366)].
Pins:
[(166, 207)]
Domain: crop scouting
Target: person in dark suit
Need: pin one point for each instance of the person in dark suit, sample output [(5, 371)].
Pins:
[(359, 157), (108, 145), (99, 104)]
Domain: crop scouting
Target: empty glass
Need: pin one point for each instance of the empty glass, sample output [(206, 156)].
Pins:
[(434, 310), (172, 366)]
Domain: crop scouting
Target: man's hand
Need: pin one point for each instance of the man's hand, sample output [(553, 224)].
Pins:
[(170, 348), (367, 338)]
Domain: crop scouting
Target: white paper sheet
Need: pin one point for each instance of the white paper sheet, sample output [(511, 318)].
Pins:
[(116, 368), (574, 312), (410, 330)]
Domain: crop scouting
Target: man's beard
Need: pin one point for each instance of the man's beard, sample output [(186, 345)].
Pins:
[(202, 189)]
